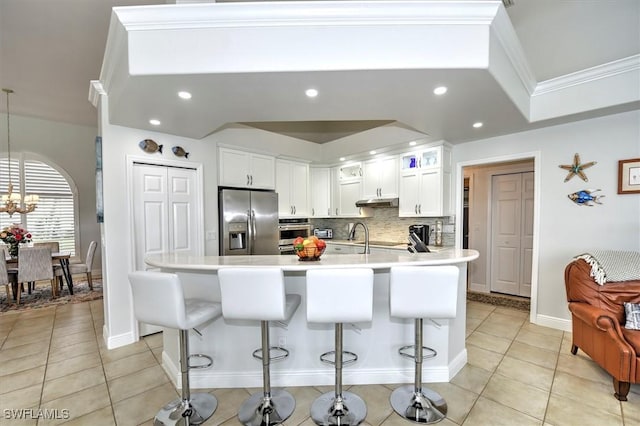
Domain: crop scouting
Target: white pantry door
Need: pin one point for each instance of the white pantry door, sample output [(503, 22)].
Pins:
[(164, 211), (165, 217), (512, 233)]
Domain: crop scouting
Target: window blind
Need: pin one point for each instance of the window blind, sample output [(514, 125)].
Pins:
[(53, 219)]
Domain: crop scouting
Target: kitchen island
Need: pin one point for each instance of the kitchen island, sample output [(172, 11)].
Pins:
[(231, 343)]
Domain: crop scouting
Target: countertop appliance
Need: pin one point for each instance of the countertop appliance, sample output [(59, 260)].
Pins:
[(289, 230), (421, 231), (248, 222), (324, 233)]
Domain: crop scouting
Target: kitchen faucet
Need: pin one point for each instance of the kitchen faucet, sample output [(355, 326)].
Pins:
[(352, 235)]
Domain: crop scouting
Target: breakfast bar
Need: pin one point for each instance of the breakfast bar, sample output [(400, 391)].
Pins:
[(230, 342)]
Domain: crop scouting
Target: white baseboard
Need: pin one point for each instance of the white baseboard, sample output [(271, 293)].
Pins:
[(325, 377), (553, 322), (113, 342)]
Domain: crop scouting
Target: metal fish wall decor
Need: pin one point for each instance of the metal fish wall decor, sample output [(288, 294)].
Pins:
[(150, 146), (180, 152), (585, 197)]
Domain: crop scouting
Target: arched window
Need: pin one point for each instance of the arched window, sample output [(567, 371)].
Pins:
[(55, 218)]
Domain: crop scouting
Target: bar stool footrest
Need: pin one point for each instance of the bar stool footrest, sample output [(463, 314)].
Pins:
[(195, 367), (283, 353), (347, 357), (404, 351)]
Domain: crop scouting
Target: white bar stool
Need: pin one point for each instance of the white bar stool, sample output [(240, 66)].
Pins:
[(258, 294), (421, 292), (158, 299), (338, 296)]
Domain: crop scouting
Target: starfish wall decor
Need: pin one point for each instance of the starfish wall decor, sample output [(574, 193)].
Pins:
[(576, 168)]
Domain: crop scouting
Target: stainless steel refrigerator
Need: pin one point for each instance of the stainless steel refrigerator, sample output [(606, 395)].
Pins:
[(248, 222)]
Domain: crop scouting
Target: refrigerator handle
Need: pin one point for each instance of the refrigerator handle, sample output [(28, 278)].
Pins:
[(253, 230), (249, 232)]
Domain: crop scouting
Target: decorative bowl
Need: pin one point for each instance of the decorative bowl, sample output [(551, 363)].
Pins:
[(309, 252)]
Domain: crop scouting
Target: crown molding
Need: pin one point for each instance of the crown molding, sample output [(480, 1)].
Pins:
[(626, 65), (325, 13), (95, 91)]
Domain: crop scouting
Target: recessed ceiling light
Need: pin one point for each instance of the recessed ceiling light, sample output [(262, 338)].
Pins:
[(477, 125), (440, 90), (372, 152), (154, 122), (342, 158), (312, 93), (412, 143), (184, 95)]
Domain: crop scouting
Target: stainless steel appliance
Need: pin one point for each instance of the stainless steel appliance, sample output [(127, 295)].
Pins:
[(421, 231), (324, 233), (289, 230), (248, 222)]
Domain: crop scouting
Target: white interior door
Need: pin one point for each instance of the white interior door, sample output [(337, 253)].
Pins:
[(165, 217), (512, 233)]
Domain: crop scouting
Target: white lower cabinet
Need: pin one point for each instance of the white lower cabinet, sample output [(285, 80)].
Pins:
[(341, 249)]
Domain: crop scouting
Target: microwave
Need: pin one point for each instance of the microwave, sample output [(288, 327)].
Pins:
[(323, 233)]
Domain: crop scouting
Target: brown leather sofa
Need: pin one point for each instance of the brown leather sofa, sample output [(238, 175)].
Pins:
[(597, 313)]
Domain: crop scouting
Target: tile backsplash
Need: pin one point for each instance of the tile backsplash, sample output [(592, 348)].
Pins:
[(384, 225)]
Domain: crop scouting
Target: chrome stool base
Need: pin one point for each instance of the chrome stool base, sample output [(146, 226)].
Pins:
[(261, 411), (198, 409), (426, 406), (349, 410)]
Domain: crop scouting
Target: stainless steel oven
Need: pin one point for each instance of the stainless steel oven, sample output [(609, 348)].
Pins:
[(289, 230)]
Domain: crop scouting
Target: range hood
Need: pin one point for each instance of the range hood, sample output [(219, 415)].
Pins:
[(378, 202)]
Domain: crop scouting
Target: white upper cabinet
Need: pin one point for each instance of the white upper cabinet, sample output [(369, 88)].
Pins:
[(292, 186), (320, 184), (243, 169), (425, 183), (347, 186), (380, 178)]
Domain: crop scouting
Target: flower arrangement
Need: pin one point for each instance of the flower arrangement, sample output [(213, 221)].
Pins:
[(13, 236)]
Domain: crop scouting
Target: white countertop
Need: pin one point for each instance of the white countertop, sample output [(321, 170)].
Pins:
[(291, 263)]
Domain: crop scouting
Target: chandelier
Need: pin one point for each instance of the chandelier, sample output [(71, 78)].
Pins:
[(12, 202)]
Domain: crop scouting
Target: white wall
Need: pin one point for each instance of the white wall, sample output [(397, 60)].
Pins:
[(567, 229), (72, 148), (117, 231)]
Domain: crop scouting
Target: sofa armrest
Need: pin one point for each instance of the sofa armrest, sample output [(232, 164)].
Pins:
[(599, 335), (595, 317)]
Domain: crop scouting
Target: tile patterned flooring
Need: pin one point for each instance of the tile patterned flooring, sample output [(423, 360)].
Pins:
[(518, 374)]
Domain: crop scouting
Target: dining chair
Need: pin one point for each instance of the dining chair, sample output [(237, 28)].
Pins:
[(4, 276), (34, 264), (85, 268), (57, 269)]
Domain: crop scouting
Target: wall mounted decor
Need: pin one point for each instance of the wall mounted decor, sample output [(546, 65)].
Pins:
[(99, 197), (629, 176), (576, 168), (585, 197), (150, 146), (179, 151)]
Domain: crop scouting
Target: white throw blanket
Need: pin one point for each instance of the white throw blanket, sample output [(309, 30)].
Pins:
[(613, 265)]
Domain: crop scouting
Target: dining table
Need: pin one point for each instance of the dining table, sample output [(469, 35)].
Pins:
[(61, 257)]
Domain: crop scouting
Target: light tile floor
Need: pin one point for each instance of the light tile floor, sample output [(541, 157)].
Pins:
[(518, 374)]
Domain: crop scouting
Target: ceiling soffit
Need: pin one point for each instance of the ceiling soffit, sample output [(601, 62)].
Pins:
[(250, 63)]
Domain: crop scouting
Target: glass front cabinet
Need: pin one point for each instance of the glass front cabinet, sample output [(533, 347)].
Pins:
[(425, 183)]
